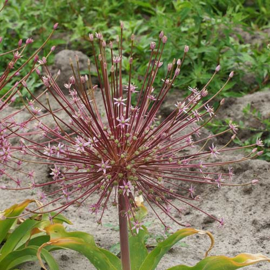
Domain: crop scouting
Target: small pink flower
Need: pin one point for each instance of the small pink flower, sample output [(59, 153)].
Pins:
[(137, 226), (191, 191), (219, 180), (122, 122), (126, 187), (233, 127), (103, 166), (119, 101), (259, 142), (209, 109), (214, 151)]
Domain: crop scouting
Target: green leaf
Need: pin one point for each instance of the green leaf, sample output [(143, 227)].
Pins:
[(13, 211), (112, 258), (58, 231), (83, 243), (25, 255), (91, 252), (37, 241), (224, 263), (153, 258), (16, 236), (138, 251)]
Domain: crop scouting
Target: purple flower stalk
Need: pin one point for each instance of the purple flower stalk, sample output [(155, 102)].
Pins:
[(129, 151), (127, 154)]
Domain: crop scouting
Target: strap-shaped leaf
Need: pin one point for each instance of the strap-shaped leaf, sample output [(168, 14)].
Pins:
[(58, 231), (28, 254), (153, 258), (83, 243), (13, 211), (94, 255), (14, 239), (112, 258), (138, 251), (224, 263)]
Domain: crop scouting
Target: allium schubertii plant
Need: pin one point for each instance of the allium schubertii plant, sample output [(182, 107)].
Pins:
[(128, 156)]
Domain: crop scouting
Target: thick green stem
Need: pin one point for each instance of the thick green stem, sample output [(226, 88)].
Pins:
[(123, 225)]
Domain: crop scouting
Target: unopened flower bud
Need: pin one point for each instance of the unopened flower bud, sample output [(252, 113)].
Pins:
[(152, 45), (19, 43), (91, 37), (13, 99), (259, 153), (169, 66), (161, 34), (72, 80), (132, 37), (1, 38), (111, 44), (178, 62), (103, 43), (11, 64), (130, 60), (218, 68), (164, 39), (186, 49), (112, 69), (222, 101), (233, 136), (254, 150), (204, 92), (29, 41), (255, 181), (37, 71), (121, 24), (55, 26), (98, 35), (16, 55), (177, 71), (36, 58), (231, 74), (24, 83)]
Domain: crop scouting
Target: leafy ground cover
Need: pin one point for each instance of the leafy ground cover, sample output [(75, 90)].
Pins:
[(230, 33)]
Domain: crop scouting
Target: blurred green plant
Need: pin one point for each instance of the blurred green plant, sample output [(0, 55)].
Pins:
[(214, 29), (263, 132)]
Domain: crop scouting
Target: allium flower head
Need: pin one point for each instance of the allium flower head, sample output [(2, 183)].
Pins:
[(127, 153)]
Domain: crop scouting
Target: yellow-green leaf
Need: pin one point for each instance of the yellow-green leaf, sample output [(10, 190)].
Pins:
[(94, 255), (58, 231), (224, 263), (25, 255), (153, 258), (13, 211)]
